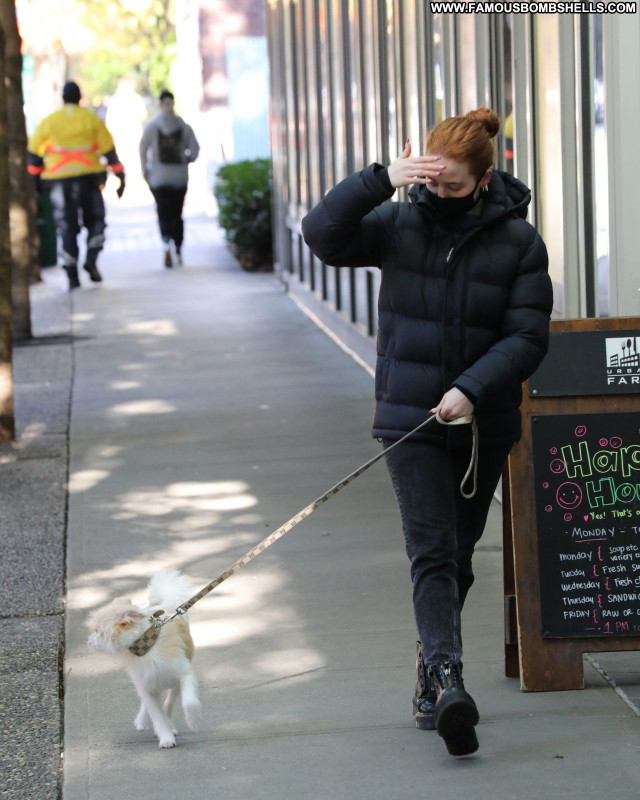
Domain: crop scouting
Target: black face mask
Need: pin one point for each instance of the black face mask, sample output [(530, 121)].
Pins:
[(452, 206)]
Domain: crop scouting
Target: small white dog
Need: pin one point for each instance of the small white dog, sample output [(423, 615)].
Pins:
[(166, 668)]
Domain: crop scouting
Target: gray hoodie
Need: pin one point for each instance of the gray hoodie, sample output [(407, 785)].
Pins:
[(167, 147)]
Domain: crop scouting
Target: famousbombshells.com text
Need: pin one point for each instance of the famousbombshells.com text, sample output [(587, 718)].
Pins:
[(553, 7)]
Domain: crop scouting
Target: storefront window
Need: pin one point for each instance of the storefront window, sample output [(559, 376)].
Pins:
[(550, 185), (508, 139), (438, 66), (601, 174), (301, 97), (394, 99), (324, 99), (336, 68), (412, 53), (467, 62), (355, 100), (293, 161), (313, 118), (370, 82)]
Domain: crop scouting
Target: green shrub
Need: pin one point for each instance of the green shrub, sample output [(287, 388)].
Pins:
[(243, 192)]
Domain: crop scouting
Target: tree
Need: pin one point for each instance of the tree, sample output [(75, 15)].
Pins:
[(7, 422), (102, 41), (133, 38), (22, 208)]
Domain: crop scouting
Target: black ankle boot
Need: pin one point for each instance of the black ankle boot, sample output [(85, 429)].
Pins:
[(92, 269), (424, 699), (455, 712)]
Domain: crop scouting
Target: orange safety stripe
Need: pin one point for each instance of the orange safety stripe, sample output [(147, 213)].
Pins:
[(33, 170), (69, 156), (117, 167)]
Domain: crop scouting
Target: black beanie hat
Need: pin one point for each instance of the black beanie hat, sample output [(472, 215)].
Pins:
[(71, 92)]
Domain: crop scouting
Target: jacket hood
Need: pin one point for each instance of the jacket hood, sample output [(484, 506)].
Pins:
[(506, 196), (168, 123)]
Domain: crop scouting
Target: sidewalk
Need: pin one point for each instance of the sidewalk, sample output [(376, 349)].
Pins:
[(206, 410)]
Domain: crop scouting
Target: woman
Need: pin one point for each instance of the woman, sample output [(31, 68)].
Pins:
[(464, 309)]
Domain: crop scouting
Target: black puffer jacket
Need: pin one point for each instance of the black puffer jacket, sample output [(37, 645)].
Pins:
[(463, 305)]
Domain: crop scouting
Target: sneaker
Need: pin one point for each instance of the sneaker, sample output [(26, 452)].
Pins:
[(72, 274), (168, 261), (178, 257), (92, 269), (455, 711)]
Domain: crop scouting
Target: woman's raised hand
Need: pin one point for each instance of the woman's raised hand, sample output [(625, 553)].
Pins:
[(406, 169)]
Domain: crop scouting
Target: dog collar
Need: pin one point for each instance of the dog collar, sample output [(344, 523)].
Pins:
[(144, 643)]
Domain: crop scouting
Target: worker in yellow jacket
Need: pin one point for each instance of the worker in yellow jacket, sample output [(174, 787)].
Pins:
[(68, 155)]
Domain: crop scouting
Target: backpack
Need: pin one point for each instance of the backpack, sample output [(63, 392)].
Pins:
[(170, 147)]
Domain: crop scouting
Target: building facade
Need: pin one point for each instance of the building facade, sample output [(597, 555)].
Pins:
[(351, 80), (220, 75)]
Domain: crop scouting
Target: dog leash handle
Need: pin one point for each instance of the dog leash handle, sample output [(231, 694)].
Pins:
[(473, 463)]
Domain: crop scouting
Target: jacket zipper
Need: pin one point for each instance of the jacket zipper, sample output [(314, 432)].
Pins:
[(465, 289), (448, 261), (455, 239), (455, 242)]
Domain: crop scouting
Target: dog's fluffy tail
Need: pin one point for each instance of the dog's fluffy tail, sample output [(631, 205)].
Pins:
[(168, 589)]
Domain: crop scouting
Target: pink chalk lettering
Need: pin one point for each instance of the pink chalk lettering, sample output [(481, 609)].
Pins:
[(569, 495)]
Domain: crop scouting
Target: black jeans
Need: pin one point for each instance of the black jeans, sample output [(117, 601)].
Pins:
[(169, 204), (441, 529), (76, 202)]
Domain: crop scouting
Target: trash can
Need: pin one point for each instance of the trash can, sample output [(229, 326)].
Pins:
[(47, 231)]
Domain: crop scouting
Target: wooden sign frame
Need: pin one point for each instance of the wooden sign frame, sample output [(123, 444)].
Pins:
[(547, 664)]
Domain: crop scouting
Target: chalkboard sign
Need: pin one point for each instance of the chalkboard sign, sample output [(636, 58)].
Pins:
[(587, 499), (581, 363)]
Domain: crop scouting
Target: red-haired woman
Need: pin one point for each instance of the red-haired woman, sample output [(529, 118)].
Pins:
[(464, 308)]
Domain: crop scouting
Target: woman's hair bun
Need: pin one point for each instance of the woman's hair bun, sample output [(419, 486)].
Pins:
[(489, 120)]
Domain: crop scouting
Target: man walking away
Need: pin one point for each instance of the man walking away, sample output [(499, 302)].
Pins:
[(167, 147), (66, 154)]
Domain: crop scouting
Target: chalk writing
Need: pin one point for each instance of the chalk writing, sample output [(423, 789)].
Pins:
[(587, 491)]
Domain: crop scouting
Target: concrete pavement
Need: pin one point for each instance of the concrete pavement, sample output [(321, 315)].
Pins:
[(33, 475), (206, 410)]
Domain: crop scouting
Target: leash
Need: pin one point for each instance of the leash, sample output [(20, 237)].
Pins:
[(144, 643)]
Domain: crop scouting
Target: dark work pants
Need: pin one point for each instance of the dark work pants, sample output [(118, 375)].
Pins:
[(441, 529), (78, 202), (169, 203)]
